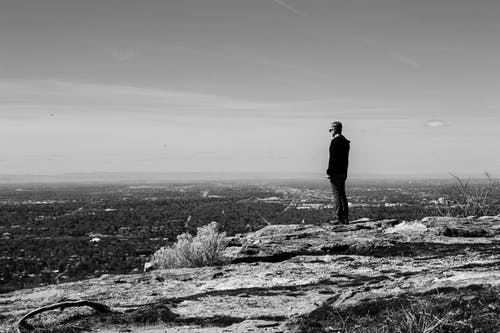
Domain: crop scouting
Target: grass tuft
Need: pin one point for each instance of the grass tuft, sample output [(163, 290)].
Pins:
[(466, 199), (468, 310)]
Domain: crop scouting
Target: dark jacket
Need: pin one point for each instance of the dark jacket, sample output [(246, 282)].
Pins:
[(339, 156)]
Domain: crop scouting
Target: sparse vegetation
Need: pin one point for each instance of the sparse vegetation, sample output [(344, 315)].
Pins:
[(417, 318), (468, 310), (205, 249), (46, 231), (467, 199)]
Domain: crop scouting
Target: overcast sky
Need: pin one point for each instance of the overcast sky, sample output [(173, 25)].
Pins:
[(249, 85)]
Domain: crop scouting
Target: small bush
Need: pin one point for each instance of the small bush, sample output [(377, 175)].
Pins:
[(205, 249), (419, 317), (405, 315), (465, 199)]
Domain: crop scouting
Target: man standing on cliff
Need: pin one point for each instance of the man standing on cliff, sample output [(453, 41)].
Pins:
[(337, 172)]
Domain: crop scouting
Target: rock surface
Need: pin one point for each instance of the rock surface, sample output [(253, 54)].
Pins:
[(279, 274)]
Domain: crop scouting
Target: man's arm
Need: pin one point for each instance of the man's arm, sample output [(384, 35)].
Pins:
[(329, 171)]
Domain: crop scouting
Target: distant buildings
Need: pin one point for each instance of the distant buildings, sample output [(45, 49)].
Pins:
[(315, 206), (6, 235), (440, 201)]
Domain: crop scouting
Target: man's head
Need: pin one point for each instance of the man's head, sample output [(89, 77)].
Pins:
[(336, 128)]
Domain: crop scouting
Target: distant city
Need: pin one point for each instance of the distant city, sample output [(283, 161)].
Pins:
[(61, 232), (156, 177)]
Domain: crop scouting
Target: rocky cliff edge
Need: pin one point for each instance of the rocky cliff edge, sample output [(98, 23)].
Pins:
[(286, 278)]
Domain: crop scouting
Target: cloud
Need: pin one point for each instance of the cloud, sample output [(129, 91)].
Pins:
[(120, 54), (70, 100), (434, 123), (206, 152), (282, 3), (404, 60), (11, 102), (391, 53), (38, 98), (244, 57)]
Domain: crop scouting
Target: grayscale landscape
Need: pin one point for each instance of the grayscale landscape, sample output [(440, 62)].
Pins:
[(249, 166), (406, 258)]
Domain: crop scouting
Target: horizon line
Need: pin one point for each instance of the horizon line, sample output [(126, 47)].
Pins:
[(138, 176)]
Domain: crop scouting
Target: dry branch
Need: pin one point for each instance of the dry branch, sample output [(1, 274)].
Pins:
[(61, 305)]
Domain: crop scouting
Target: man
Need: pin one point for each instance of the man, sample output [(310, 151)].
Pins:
[(337, 171)]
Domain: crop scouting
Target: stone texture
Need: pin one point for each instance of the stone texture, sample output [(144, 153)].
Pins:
[(282, 272)]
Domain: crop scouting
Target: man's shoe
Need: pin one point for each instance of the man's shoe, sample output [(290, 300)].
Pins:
[(345, 222), (335, 222)]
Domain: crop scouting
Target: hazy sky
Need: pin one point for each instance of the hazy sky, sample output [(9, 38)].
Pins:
[(249, 85)]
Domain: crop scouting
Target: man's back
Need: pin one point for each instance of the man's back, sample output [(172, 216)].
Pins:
[(339, 155)]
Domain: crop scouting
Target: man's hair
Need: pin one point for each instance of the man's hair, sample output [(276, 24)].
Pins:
[(337, 127)]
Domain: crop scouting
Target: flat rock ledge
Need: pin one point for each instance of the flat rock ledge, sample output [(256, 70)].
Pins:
[(281, 276)]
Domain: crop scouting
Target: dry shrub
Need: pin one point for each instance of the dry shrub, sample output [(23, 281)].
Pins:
[(389, 316), (417, 318), (204, 249), (466, 199)]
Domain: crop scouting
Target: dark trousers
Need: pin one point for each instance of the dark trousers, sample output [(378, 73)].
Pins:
[(339, 197)]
